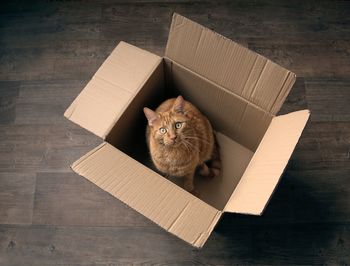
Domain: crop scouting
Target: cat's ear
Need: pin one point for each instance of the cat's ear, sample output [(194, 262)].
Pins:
[(179, 105), (151, 116)]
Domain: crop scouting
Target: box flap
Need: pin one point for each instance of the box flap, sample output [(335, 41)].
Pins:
[(266, 167), (166, 204), (111, 89), (228, 64)]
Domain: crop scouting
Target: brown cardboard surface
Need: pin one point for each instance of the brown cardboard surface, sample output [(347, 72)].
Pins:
[(229, 113), (266, 167), (235, 159), (112, 88), (168, 205), (129, 130), (228, 64)]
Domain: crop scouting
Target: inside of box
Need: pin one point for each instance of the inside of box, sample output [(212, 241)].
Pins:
[(239, 126)]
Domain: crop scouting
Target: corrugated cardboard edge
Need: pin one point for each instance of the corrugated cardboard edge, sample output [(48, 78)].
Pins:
[(247, 198), (179, 224), (202, 239), (87, 155)]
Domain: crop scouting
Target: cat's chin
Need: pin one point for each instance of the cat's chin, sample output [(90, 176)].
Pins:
[(172, 145)]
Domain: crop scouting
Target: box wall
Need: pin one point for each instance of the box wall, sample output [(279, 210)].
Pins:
[(128, 134), (241, 71), (228, 113)]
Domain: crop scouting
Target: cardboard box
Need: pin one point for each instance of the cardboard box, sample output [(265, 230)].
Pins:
[(240, 92)]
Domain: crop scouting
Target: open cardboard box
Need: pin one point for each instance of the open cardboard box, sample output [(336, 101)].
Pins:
[(240, 92)]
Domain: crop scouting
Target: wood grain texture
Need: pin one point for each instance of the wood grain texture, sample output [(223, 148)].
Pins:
[(69, 199), (328, 100), (50, 216), (8, 96), (41, 102), (48, 147), (298, 200), (242, 244), (323, 145), (16, 198)]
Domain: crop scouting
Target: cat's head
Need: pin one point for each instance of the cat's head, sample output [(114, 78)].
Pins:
[(170, 128)]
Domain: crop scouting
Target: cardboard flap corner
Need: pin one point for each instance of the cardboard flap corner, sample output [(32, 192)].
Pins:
[(241, 71), (268, 163), (152, 195), (111, 89)]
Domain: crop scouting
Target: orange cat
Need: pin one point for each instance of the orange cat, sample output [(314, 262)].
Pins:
[(180, 138)]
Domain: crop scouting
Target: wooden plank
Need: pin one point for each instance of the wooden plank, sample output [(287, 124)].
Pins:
[(44, 21), (69, 199), (37, 50), (328, 99), (47, 245), (60, 136), (26, 64), (308, 189), (273, 20), (16, 198), (323, 145), (44, 102), (50, 147), (44, 63), (287, 244), (313, 196), (142, 19), (8, 96), (249, 244), (42, 138)]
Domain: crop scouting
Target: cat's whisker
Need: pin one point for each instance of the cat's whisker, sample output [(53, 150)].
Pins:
[(194, 136), (185, 145), (190, 145), (197, 138)]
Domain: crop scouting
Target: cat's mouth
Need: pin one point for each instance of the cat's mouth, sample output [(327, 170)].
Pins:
[(172, 143)]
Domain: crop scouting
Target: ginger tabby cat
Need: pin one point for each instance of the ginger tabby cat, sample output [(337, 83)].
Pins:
[(180, 139)]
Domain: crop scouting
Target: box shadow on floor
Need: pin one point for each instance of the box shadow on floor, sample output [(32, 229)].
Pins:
[(295, 223)]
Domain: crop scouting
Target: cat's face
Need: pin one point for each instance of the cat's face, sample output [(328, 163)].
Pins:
[(170, 129)]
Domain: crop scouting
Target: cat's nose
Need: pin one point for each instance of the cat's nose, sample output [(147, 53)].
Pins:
[(172, 137)]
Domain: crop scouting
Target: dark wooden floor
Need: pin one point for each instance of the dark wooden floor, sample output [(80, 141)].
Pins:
[(51, 216)]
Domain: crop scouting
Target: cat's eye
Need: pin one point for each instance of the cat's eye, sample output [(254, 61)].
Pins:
[(162, 130), (178, 125)]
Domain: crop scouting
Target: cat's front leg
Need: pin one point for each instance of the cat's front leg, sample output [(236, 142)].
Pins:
[(188, 184), (209, 172)]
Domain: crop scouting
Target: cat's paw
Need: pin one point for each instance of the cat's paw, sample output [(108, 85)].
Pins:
[(208, 172), (214, 172)]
